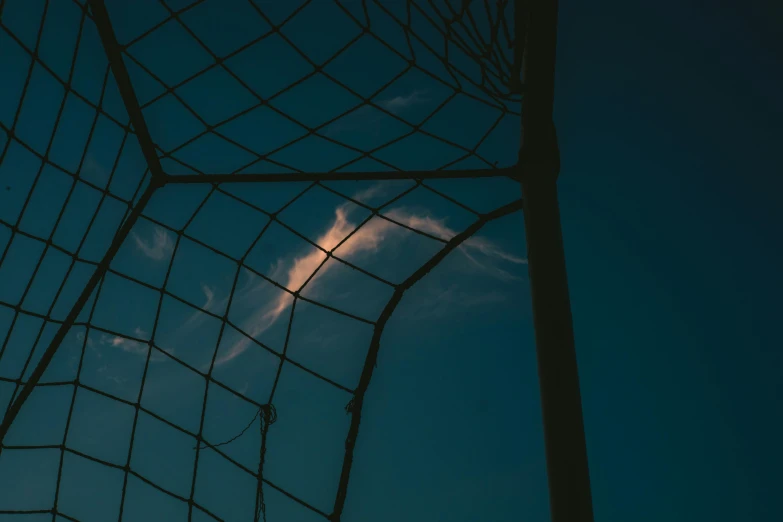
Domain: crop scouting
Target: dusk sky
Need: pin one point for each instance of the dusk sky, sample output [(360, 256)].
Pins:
[(668, 122)]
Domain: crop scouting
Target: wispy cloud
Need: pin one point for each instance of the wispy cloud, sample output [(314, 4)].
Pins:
[(159, 248), (294, 272), (368, 238), (373, 191), (399, 103), (132, 346), (300, 270), (125, 344), (439, 302), (469, 248), (209, 294), (104, 370), (80, 338), (368, 121), (103, 344)]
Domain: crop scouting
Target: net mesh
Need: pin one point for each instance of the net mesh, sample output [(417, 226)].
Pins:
[(166, 294)]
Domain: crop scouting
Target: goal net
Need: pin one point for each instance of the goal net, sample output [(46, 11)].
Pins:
[(210, 213)]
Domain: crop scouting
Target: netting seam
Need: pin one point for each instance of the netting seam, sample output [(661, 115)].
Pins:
[(128, 94), (511, 173)]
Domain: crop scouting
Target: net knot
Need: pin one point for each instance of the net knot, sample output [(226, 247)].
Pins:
[(268, 413), (268, 416)]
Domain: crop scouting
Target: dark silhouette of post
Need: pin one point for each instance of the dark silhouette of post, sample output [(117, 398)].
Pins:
[(539, 161)]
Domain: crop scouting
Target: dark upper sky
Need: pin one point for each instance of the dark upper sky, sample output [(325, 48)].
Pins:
[(669, 116)]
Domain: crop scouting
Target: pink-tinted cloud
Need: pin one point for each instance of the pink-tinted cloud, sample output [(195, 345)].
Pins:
[(368, 238), (294, 273), (302, 268)]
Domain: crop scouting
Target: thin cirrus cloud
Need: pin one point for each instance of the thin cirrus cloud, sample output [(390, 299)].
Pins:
[(439, 302), (481, 253), (159, 247), (399, 103), (369, 238), (104, 342), (366, 120), (128, 345), (468, 248)]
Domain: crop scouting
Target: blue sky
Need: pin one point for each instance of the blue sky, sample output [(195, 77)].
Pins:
[(668, 200)]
